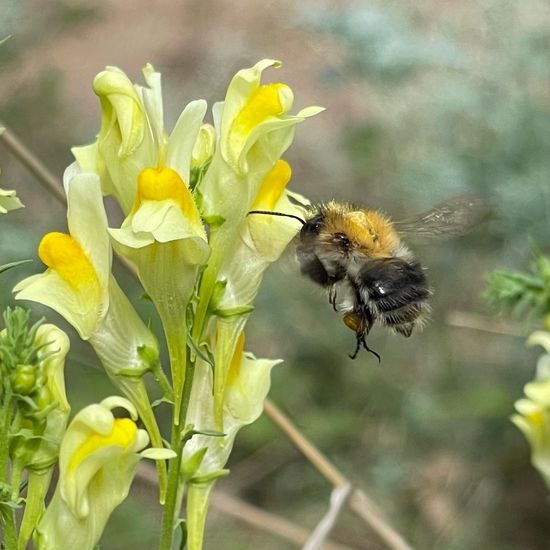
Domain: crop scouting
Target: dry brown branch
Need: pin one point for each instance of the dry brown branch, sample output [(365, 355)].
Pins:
[(359, 502), (33, 164)]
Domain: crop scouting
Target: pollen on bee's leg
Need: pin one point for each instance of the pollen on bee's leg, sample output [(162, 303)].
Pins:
[(354, 322)]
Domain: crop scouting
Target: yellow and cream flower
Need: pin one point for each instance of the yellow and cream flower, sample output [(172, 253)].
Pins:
[(97, 461), (204, 455), (78, 284), (132, 135), (533, 417)]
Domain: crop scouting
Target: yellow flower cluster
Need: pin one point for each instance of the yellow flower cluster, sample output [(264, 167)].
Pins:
[(185, 195)]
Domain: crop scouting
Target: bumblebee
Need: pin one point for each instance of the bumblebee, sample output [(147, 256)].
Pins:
[(371, 276)]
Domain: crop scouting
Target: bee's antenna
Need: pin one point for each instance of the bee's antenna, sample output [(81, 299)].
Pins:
[(270, 213)]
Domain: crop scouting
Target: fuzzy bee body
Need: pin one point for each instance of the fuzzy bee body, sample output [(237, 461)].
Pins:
[(369, 273)]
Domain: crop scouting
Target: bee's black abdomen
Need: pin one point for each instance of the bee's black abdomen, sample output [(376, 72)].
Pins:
[(395, 291)]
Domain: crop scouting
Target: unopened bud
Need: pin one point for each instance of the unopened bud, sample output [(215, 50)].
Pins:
[(23, 379)]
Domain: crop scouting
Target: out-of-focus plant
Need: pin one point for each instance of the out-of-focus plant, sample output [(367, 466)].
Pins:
[(453, 115), (9, 201), (185, 196), (530, 294), (8, 198), (523, 293)]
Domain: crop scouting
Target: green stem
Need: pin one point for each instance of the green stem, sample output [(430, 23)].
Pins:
[(176, 338), (5, 422), (220, 242), (167, 529), (10, 529), (7, 515), (186, 396), (174, 494), (38, 484), (182, 380), (16, 471), (205, 293)]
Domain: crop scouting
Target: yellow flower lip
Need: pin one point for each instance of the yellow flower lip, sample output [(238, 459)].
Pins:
[(63, 253), (536, 417), (123, 434), (272, 186), (162, 183), (268, 100)]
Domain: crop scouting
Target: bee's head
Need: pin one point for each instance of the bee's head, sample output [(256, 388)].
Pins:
[(313, 226)]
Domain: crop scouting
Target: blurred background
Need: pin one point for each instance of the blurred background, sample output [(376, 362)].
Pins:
[(425, 101)]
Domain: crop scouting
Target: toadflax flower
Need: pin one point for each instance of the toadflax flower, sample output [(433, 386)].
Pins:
[(149, 173), (78, 284), (533, 417), (261, 241), (97, 461), (205, 455), (132, 135), (255, 129)]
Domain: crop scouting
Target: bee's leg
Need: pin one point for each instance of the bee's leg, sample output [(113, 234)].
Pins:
[(362, 341), (332, 296)]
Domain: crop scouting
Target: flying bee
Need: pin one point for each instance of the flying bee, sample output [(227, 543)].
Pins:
[(371, 276)]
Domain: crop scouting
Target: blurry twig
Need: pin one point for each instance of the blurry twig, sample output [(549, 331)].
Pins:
[(33, 164), (359, 502), (251, 515), (266, 520), (338, 499), (475, 321)]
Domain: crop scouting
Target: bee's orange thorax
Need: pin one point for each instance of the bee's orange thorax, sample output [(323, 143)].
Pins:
[(369, 231)]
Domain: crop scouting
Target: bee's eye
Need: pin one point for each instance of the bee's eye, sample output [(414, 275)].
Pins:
[(313, 226)]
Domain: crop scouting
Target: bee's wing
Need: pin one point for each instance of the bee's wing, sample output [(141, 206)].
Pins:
[(449, 219)]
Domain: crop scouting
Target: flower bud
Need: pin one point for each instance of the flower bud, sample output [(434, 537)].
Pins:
[(23, 379)]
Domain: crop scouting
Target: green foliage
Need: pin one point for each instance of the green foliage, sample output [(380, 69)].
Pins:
[(17, 344), (522, 293)]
